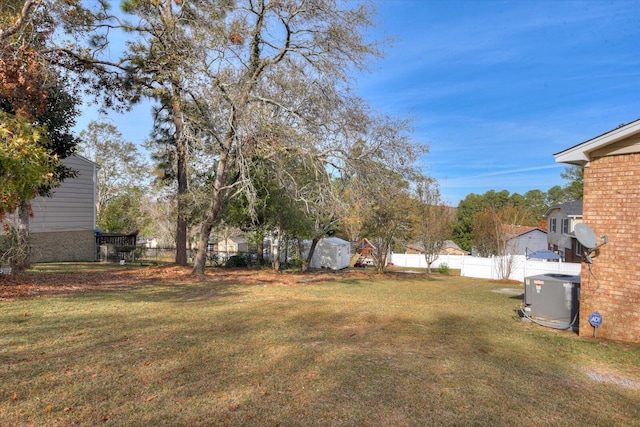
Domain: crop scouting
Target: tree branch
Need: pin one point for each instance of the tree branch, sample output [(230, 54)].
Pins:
[(29, 5)]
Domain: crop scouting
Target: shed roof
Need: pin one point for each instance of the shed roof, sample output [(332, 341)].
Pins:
[(335, 241)]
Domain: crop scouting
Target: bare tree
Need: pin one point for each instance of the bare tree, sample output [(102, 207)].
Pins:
[(493, 233), (351, 210), (122, 168), (387, 221), (161, 211), (433, 222), (258, 79), (274, 50)]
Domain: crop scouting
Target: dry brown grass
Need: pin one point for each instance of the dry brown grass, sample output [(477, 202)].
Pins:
[(154, 346)]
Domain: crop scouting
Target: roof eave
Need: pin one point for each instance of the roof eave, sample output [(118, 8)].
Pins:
[(580, 154)]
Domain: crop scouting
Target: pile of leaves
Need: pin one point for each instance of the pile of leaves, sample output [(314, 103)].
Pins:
[(35, 283)]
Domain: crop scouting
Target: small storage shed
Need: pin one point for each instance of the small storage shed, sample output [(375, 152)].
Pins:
[(331, 252)]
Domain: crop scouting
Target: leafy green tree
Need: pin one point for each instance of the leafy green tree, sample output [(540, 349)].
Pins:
[(25, 164), (40, 117), (123, 213), (275, 212), (463, 225), (26, 167), (555, 196), (491, 201), (574, 189), (44, 130), (535, 201)]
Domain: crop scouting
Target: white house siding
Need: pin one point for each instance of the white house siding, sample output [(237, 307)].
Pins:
[(528, 242), (557, 237), (63, 226)]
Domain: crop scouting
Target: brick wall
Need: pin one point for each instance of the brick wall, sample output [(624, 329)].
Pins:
[(611, 285), (63, 246)]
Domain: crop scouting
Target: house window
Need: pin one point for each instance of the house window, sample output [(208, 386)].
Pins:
[(565, 226), (552, 225), (579, 249)]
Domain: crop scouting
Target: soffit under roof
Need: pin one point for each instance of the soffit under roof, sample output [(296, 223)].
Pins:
[(622, 140)]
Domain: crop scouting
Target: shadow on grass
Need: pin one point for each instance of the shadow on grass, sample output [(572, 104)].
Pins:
[(354, 352)]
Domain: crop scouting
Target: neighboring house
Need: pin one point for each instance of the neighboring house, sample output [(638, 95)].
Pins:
[(611, 207), (414, 248), (522, 239), (449, 248), (561, 220), (233, 246), (63, 226), (151, 242)]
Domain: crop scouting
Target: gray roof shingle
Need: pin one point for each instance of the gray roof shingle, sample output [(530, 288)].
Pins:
[(569, 208)]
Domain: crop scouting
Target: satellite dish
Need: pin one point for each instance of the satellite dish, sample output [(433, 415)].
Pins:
[(585, 235), (588, 240)]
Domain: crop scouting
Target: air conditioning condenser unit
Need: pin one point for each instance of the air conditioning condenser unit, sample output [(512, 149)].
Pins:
[(552, 300)]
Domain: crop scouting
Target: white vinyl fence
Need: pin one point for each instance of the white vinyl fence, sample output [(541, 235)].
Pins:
[(489, 268)]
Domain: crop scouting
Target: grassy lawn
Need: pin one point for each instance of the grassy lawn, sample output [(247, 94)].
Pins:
[(396, 350)]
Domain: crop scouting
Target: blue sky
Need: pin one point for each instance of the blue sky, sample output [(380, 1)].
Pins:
[(495, 88)]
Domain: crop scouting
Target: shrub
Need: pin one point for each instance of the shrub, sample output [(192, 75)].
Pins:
[(236, 261), (443, 269)]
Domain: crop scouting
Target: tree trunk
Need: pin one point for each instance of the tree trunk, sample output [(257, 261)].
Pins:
[(214, 208), (181, 158), (300, 245), (275, 261), (272, 247), (23, 257), (306, 262), (381, 256), (260, 254), (201, 255)]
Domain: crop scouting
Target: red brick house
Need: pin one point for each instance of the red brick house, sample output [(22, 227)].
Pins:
[(611, 207)]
